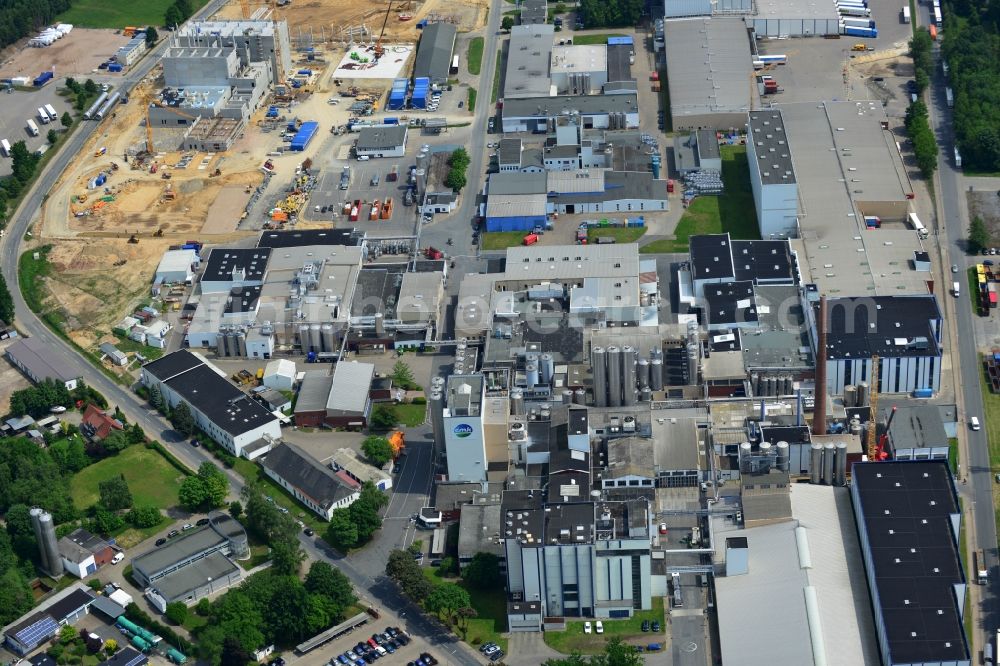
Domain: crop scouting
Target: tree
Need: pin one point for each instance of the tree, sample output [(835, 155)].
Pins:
[(447, 598), (234, 654), (73, 85), (116, 441), (106, 522), (156, 398), (66, 120), (16, 597), (68, 634), (465, 614), (383, 417), (507, 23), (483, 571), (329, 582), (151, 36), (192, 494), (403, 569), (144, 516), (618, 653), (205, 490), (52, 136), (182, 419), (235, 509), (342, 533), (172, 17), (402, 375), (286, 557), (90, 87), (110, 646), (177, 612), (115, 494), (979, 237), (6, 303), (364, 511), (377, 450)]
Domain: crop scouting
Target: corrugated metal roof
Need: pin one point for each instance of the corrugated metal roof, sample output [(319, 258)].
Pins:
[(351, 383), (712, 66)]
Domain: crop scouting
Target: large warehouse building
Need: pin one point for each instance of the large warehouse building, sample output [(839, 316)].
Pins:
[(768, 18), (528, 58), (772, 176), (437, 42), (533, 114), (712, 90)]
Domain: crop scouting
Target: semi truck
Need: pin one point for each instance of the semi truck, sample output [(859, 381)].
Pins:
[(5, 147), (949, 97), (982, 572), (918, 226), (345, 178), (906, 13), (852, 31)]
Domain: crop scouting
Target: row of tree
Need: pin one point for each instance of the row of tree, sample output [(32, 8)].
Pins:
[(277, 529), (272, 608), (970, 47), (616, 653), (610, 13), (20, 18), (6, 300), (925, 148), (458, 165), (356, 524)]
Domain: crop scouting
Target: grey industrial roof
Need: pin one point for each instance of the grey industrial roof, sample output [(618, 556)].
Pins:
[(108, 607), (534, 11), (349, 391), (382, 136), (780, 575), (709, 66), (638, 185), (571, 261), (770, 144), (708, 144), (180, 583), (509, 182), (478, 529), (548, 107), (178, 549), (509, 151), (311, 477), (619, 68), (529, 53), (516, 205), (916, 427), (41, 360), (909, 515), (434, 51)]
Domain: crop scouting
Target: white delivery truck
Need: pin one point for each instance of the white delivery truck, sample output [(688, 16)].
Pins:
[(43, 115), (52, 112), (956, 289), (32, 127), (5, 147)]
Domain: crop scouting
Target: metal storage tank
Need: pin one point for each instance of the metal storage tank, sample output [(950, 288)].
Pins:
[(546, 413), (327, 337), (517, 402), (781, 459), (628, 375), (746, 451), (579, 397), (599, 371), (379, 325), (642, 368), (855, 426), (315, 337), (438, 382), (656, 369), (232, 341), (45, 535), (755, 383), (692, 363), (614, 377), (789, 385), (531, 375), (241, 340), (862, 394), (421, 181), (771, 387), (850, 396), (567, 397), (816, 463), (828, 463), (437, 417), (646, 395), (766, 449), (546, 368), (220, 345), (840, 465)]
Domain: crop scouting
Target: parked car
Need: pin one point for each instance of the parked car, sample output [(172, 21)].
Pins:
[(187, 526), (308, 532), (160, 542), (202, 522), (656, 625), (588, 627), (645, 625), (195, 443), (172, 533), (496, 656), (599, 626), (117, 558)]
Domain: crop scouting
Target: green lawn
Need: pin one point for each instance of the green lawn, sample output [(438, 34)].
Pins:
[(131, 346), (602, 38), (953, 460), (991, 421), (620, 234), (119, 13), (472, 99), (496, 79), (411, 415), (491, 606), (501, 240), (474, 56), (732, 211), (152, 480), (574, 640)]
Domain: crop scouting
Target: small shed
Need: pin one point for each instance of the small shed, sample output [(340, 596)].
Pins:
[(279, 374), (113, 354)]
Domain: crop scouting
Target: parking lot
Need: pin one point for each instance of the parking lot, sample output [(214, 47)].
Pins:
[(18, 107), (363, 187), (345, 650)]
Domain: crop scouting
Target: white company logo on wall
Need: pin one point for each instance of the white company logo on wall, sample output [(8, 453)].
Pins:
[(462, 430)]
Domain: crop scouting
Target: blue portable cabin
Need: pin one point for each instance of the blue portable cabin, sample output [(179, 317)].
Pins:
[(620, 41), (525, 223), (851, 31), (42, 79), (115, 67), (305, 134)]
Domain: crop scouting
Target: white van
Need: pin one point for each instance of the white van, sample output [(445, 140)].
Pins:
[(956, 289), (974, 422)]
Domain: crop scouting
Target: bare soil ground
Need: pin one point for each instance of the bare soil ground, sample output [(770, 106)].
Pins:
[(987, 206), (224, 213), (77, 54)]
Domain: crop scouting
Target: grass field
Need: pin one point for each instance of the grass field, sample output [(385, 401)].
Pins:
[(152, 480), (582, 40), (991, 421), (620, 234), (732, 211), (496, 79), (501, 240), (473, 93), (574, 640), (119, 13), (411, 415), (474, 56), (491, 606)]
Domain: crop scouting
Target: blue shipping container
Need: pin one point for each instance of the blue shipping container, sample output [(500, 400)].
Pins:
[(520, 223), (860, 32), (923, 393), (305, 134), (619, 40), (272, 112), (390, 121), (42, 79), (305, 72), (115, 67)]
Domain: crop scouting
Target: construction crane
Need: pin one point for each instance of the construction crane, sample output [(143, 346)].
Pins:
[(873, 406), (150, 103), (379, 49)]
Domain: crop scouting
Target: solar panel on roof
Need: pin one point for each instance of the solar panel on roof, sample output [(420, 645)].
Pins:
[(137, 659), (37, 632)]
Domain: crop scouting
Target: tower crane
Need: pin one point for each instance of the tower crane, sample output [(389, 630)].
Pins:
[(873, 444)]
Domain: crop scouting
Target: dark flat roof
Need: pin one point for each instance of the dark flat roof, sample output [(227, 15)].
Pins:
[(771, 147), (224, 260), (304, 237), (708, 144), (907, 509), (711, 257), (173, 364), (225, 405), (764, 261), (730, 303), (890, 326), (434, 51), (69, 604), (619, 68)]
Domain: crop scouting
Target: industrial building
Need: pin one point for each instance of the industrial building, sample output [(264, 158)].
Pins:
[(855, 234), (338, 400), (712, 91), (903, 331), (797, 18), (240, 424), (697, 151), (31, 631), (528, 58), (382, 140), (908, 520), (193, 565), (132, 51), (82, 553), (772, 175), (255, 40), (177, 267), (579, 70), (917, 432), (536, 114), (312, 483), (534, 12), (39, 362), (437, 42), (349, 461)]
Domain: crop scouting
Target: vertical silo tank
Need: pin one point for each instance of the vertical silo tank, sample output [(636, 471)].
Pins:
[(304, 337), (580, 397), (327, 337), (850, 396), (782, 457), (567, 396), (642, 372), (437, 416), (656, 369), (36, 525), (517, 402), (531, 374), (220, 345), (829, 452), (599, 371), (840, 465), (646, 395), (315, 338), (628, 375), (746, 451), (862, 394), (546, 368), (49, 542), (614, 377), (816, 463), (241, 340)]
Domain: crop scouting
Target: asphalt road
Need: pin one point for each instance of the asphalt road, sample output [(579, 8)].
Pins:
[(976, 462)]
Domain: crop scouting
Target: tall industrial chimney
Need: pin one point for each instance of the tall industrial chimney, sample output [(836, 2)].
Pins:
[(819, 411)]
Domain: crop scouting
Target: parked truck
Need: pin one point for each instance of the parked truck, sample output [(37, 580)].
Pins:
[(51, 112), (958, 158), (918, 226), (43, 116), (949, 97), (32, 127), (5, 147), (982, 571), (345, 178)]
